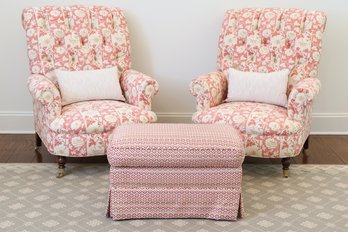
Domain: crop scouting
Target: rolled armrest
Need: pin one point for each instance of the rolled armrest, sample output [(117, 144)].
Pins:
[(138, 88), (45, 93), (42, 89), (210, 90), (302, 95)]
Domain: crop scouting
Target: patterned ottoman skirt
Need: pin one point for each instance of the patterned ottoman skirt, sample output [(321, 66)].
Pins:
[(175, 171)]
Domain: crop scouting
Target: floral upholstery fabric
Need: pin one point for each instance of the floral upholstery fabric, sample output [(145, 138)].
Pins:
[(76, 38), (271, 39), (82, 38), (265, 40)]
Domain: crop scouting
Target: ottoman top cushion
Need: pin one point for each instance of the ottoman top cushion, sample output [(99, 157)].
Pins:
[(175, 145)]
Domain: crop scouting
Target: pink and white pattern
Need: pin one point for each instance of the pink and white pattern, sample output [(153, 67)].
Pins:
[(82, 38), (265, 40), (176, 145), (209, 90), (175, 171), (138, 88)]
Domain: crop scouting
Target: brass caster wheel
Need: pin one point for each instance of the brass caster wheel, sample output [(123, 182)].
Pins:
[(286, 173), (60, 173)]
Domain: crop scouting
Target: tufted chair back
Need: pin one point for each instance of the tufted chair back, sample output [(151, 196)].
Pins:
[(271, 39), (76, 38)]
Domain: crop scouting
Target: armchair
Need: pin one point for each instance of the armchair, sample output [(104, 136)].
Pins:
[(265, 40), (81, 38)]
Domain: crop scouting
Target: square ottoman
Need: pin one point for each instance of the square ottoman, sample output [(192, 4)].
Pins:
[(175, 171)]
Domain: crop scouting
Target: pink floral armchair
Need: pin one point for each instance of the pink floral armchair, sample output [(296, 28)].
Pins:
[(266, 40), (81, 38)]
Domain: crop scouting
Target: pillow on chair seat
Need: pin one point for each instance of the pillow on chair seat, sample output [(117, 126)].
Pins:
[(77, 86), (258, 87)]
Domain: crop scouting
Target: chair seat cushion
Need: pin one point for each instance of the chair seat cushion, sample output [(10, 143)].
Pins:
[(250, 118), (93, 117)]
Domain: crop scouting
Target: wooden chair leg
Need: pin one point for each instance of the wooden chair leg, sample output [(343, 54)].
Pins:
[(61, 166), (38, 141), (306, 144), (286, 164)]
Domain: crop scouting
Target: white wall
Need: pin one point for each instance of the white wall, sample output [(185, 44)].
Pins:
[(174, 41)]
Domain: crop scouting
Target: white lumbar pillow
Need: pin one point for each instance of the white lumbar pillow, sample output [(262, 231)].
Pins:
[(258, 87), (101, 84)]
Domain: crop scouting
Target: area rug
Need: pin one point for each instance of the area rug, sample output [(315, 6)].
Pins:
[(313, 198)]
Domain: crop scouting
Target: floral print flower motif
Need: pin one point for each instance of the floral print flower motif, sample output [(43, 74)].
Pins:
[(230, 39), (269, 15), (54, 13), (198, 89), (103, 13), (321, 19), (31, 32), (254, 41), (32, 54), (46, 41), (303, 43), (95, 40), (266, 33), (264, 50), (47, 96), (111, 118), (60, 50), (83, 32), (75, 124), (77, 142), (291, 35), (149, 90), (106, 32), (319, 35), (117, 38), (294, 15), (80, 13), (301, 98), (247, 14), (35, 69), (271, 143), (308, 25), (242, 33), (72, 41), (278, 41), (289, 52), (316, 56), (58, 33)]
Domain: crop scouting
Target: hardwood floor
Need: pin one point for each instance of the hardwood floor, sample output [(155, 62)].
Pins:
[(323, 149)]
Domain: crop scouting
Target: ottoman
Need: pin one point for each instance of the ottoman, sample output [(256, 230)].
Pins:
[(175, 171)]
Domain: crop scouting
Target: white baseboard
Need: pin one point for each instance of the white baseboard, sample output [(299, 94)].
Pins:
[(329, 124), (16, 122), (21, 122), (174, 117)]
